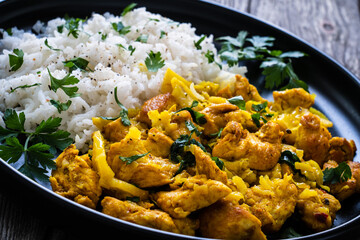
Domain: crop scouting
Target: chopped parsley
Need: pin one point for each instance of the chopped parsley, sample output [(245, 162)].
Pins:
[(238, 101), (276, 65), (72, 25), (61, 83), (218, 162), (130, 48), (16, 59), (142, 38), (25, 86), (9, 31), (61, 106), (120, 28), (123, 112), (192, 128), (290, 158), (77, 63), (103, 36), (211, 58), (131, 159), (197, 117), (339, 174), (154, 62), (52, 48), (37, 148), (198, 42), (162, 34), (259, 107), (128, 8)]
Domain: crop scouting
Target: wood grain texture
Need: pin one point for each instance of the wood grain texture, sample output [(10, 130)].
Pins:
[(330, 25)]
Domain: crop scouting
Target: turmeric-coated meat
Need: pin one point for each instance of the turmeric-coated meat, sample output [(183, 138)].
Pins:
[(291, 98), (341, 149), (132, 212), (75, 179), (196, 193)]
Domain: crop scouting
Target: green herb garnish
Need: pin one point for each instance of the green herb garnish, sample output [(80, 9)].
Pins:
[(198, 42), (290, 158), (277, 65), (192, 128), (218, 162), (339, 174), (211, 58), (123, 112), (25, 86), (9, 31), (259, 107), (77, 63), (154, 62), (238, 101), (71, 24), (133, 199), (131, 159), (61, 83), (128, 8), (52, 48), (197, 117), (217, 134), (256, 119), (142, 38), (38, 147), (120, 28), (61, 106), (162, 34), (16, 59)]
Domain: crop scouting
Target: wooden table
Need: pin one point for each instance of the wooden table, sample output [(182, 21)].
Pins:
[(330, 25)]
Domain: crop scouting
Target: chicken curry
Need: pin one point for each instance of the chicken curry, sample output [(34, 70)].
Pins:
[(213, 159)]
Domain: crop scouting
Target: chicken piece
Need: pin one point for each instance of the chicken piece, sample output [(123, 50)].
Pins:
[(132, 212), (115, 131), (160, 102), (228, 220), (341, 149), (205, 165), (180, 120), (345, 189), (75, 179), (243, 88), (197, 192), (242, 117), (147, 171), (158, 143), (292, 98), (262, 149), (313, 138), (272, 201), (215, 117), (317, 208)]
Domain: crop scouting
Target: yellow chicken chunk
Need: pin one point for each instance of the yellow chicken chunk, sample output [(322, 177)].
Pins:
[(291, 98), (75, 179), (130, 211), (196, 193), (158, 143)]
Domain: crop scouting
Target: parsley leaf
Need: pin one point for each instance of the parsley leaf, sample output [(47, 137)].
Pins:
[(123, 112), (289, 158), (197, 117), (162, 34), (72, 24), (128, 8), (61, 106), (9, 31), (60, 83), (211, 58), (131, 159), (339, 174), (16, 59), (238, 101), (120, 28), (198, 42), (25, 86), (192, 128), (142, 38), (154, 62), (259, 107), (52, 48), (256, 118), (37, 148), (77, 63), (218, 162)]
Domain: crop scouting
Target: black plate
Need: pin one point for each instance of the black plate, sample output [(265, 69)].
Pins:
[(337, 90)]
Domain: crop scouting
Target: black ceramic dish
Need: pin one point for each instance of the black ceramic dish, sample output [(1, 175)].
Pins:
[(337, 90)]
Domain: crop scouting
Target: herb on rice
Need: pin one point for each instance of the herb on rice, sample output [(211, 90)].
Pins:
[(162, 34), (123, 113), (16, 59), (72, 25), (197, 43), (128, 8), (9, 31), (130, 48), (210, 55), (52, 48), (61, 83), (37, 148), (25, 86), (77, 63), (154, 62), (142, 38), (277, 65), (61, 106), (120, 28)]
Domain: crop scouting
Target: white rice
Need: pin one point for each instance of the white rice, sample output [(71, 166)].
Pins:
[(113, 67)]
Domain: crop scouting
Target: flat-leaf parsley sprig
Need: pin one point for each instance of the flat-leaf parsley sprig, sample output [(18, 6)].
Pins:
[(38, 147), (277, 66)]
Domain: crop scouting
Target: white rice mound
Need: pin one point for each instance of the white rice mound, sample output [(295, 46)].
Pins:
[(113, 67)]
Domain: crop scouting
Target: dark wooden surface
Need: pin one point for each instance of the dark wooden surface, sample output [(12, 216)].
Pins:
[(332, 26)]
